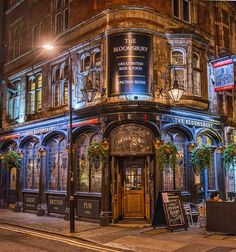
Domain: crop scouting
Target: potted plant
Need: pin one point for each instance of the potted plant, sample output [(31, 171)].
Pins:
[(167, 155), (97, 153), (229, 154), (12, 158), (201, 156)]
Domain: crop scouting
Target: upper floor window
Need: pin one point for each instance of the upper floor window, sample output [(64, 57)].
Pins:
[(181, 9), (34, 87), (178, 70), (60, 85), (196, 75), (17, 40), (61, 15), (13, 101)]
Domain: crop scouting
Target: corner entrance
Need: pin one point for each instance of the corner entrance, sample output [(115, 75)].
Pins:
[(133, 190), (130, 193)]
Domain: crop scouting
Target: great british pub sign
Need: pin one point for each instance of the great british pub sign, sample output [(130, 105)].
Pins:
[(130, 64)]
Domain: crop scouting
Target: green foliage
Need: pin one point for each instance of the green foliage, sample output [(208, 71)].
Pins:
[(97, 152), (229, 155), (201, 156), (12, 158), (167, 155)]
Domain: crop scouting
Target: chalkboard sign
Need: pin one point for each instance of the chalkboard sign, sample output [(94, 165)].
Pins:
[(169, 211)]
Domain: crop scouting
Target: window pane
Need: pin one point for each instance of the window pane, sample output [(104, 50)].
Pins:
[(58, 23), (186, 10), (65, 92), (63, 166), (39, 100), (196, 83), (28, 165), (196, 61), (177, 58), (211, 174), (66, 18), (176, 8), (83, 164)]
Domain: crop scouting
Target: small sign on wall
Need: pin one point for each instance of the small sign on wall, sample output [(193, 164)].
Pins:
[(89, 208), (56, 204), (30, 202)]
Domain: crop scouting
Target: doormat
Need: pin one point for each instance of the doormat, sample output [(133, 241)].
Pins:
[(155, 231)]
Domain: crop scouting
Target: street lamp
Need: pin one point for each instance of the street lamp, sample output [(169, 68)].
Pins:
[(71, 166), (176, 91)]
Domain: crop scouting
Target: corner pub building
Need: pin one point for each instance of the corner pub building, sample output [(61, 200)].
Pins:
[(125, 55)]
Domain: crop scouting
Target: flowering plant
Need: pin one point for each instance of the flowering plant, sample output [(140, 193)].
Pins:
[(97, 152), (229, 154), (201, 155), (167, 155), (12, 158)]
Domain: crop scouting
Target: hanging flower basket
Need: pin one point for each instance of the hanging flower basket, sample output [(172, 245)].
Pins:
[(167, 155), (97, 153), (12, 158), (201, 156), (229, 154)]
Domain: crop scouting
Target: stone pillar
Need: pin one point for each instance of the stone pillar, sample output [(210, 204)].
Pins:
[(106, 213), (42, 205), (19, 174)]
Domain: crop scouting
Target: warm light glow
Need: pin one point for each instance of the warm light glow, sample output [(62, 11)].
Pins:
[(48, 46), (176, 93)]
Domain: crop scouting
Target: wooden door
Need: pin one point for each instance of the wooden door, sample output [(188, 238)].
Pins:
[(133, 191)]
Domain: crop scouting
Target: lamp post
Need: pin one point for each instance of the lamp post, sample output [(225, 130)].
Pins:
[(71, 166), (70, 191)]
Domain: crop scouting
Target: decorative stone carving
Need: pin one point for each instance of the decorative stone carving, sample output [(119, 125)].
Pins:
[(131, 138)]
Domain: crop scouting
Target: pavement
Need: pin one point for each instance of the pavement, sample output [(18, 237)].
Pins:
[(132, 237)]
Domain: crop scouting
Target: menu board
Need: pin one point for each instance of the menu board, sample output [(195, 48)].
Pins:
[(170, 202)]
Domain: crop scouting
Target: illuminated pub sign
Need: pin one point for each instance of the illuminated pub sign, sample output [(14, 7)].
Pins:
[(130, 64), (224, 75)]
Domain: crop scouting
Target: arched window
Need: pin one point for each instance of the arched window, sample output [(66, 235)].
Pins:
[(178, 61), (56, 87), (177, 179), (16, 37), (196, 75), (97, 59), (61, 16), (31, 165), (86, 63), (13, 101), (34, 86), (35, 36), (89, 176), (56, 164), (60, 85)]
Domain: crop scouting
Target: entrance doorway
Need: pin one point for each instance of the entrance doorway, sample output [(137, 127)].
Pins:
[(130, 188), (133, 190)]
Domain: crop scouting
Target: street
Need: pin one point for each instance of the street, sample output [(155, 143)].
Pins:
[(23, 240)]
